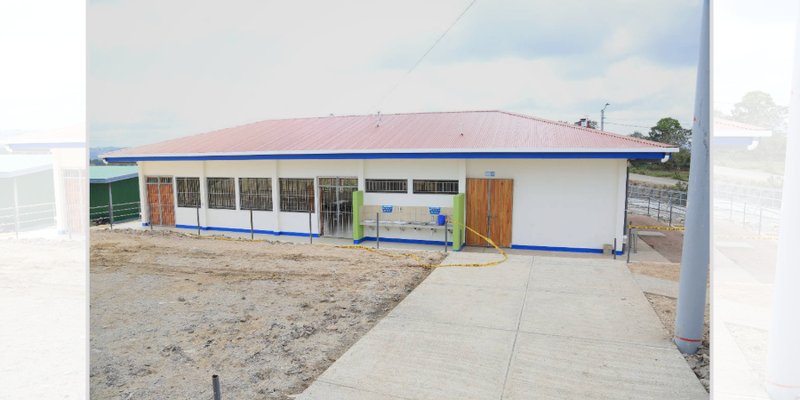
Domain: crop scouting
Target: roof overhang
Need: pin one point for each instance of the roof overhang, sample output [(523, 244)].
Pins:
[(632, 153), (114, 178)]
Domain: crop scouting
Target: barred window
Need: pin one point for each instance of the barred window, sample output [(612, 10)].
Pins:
[(426, 186), (188, 192), (387, 185), (221, 193), (255, 194), (297, 195)]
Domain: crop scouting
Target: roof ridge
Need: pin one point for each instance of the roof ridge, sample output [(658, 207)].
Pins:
[(589, 130)]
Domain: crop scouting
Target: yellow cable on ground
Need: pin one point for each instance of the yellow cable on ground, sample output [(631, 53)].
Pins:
[(420, 261)]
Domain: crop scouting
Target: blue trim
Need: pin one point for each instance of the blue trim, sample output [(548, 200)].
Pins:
[(558, 248), (145, 224), (241, 230), (361, 156), (398, 240)]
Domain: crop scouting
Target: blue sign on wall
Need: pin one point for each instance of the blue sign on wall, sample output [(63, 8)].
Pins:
[(488, 173), (434, 210), (387, 209)]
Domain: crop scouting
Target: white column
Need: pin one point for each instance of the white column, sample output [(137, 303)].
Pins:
[(276, 196), (143, 205), (462, 175), (696, 243), (361, 181), (783, 356), (203, 195), (619, 223)]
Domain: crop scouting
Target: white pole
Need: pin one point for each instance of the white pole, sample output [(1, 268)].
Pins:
[(696, 245), (783, 356)]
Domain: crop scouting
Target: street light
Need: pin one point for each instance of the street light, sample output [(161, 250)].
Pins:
[(603, 117)]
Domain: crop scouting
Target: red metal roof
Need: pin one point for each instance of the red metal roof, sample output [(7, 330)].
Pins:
[(465, 131)]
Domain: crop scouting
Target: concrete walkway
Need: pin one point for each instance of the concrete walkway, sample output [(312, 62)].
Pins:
[(531, 328)]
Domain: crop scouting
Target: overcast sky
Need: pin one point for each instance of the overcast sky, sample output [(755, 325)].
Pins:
[(162, 69)]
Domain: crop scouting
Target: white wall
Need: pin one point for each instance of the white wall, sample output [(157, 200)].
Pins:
[(561, 202)]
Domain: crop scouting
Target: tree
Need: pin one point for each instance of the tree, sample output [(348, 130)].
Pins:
[(638, 135), (758, 108), (669, 130)]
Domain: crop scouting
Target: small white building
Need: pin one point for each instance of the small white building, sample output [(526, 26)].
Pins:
[(525, 182)]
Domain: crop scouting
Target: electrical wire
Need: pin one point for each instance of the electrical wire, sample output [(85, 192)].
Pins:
[(439, 39)]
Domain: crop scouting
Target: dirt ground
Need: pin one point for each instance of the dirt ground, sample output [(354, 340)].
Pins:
[(661, 270), (665, 309), (670, 245), (169, 311)]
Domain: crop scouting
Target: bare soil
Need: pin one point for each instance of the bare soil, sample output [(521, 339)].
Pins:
[(670, 245), (169, 311), (661, 270)]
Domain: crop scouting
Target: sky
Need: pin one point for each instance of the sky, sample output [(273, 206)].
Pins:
[(159, 70), (42, 65), (753, 49)]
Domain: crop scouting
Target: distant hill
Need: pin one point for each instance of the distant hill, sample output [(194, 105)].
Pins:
[(94, 155), (94, 152)]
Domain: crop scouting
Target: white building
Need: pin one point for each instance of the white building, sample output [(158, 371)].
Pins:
[(525, 182)]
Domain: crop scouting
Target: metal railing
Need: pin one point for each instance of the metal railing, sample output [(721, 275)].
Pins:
[(755, 208), (27, 216), (114, 212), (663, 204)]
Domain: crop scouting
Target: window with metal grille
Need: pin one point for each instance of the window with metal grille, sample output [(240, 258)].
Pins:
[(188, 192), (297, 195), (221, 193), (255, 194), (427, 186), (387, 185)]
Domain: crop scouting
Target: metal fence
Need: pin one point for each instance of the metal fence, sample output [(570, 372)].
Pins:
[(663, 204), (114, 213), (28, 216), (755, 208)]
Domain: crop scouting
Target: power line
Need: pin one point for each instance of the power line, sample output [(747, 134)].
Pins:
[(385, 96)]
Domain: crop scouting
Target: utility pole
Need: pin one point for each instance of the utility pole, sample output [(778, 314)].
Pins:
[(603, 117), (783, 351), (696, 242)]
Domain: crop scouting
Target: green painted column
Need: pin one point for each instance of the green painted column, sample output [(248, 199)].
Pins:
[(358, 201), (458, 217)]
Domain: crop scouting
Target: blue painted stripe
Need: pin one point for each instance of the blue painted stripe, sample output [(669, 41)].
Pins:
[(241, 230), (559, 248), (361, 156), (398, 240)]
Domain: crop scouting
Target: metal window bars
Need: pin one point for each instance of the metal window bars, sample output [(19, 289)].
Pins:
[(221, 193), (429, 186), (297, 194), (188, 191), (255, 194), (386, 185)]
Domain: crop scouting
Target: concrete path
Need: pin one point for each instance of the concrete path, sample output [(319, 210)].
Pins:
[(530, 328)]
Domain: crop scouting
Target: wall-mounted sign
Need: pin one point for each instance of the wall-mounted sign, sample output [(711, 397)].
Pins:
[(488, 173), (387, 209), (434, 210)]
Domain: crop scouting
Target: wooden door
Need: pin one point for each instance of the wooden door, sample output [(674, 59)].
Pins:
[(489, 205), (167, 202), (153, 201), (501, 195), (477, 210), (160, 200)]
